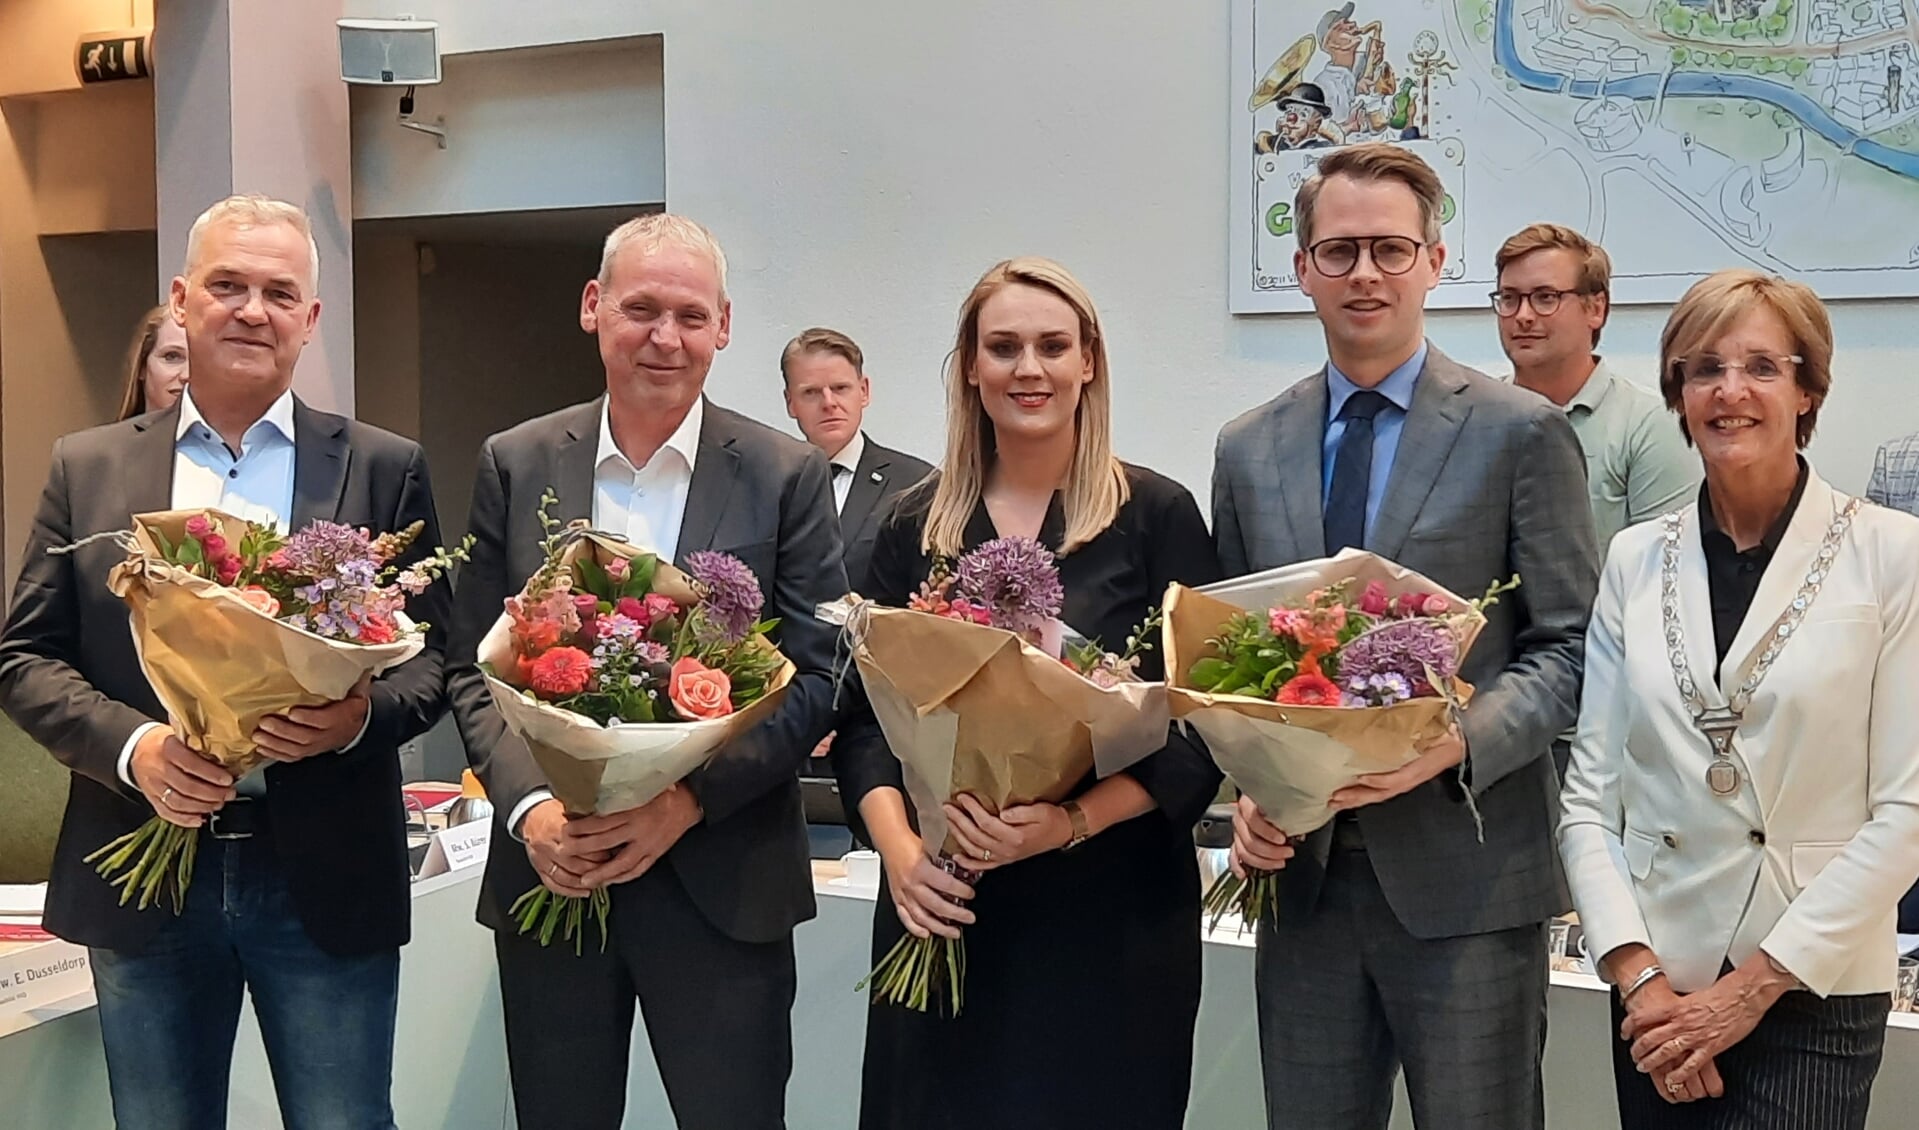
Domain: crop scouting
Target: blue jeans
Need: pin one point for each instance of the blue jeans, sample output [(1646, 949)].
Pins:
[(168, 1014)]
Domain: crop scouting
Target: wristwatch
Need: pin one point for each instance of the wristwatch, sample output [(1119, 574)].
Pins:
[(1077, 819)]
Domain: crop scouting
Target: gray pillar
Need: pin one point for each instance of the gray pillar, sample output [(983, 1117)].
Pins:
[(248, 98)]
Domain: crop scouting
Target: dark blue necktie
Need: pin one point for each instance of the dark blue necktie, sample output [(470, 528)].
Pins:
[(1352, 473)]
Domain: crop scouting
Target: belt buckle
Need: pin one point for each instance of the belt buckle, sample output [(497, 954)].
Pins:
[(216, 821)]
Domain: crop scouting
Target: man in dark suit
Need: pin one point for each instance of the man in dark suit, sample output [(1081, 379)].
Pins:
[(301, 886), (827, 392), (708, 880), (1411, 931)]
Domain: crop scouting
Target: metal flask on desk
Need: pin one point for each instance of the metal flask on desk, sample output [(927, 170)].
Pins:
[(472, 804)]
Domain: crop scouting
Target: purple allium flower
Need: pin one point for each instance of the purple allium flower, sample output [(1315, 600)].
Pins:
[(732, 594), (1017, 578), (322, 548), (1382, 689), (1406, 648)]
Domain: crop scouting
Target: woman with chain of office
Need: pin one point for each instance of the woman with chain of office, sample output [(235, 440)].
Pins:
[(1742, 808)]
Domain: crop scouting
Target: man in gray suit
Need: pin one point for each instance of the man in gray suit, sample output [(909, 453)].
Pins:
[(708, 880), (1411, 930), (1895, 474)]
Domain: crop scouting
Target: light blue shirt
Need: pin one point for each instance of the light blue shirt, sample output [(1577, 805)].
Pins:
[(1398, 389)]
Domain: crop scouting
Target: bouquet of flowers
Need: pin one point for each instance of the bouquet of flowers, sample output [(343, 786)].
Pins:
[(234, 622), (1304, 678), (981, 690), (624, 675)]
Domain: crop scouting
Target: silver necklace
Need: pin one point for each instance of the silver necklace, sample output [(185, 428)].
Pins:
[(1720, 724)]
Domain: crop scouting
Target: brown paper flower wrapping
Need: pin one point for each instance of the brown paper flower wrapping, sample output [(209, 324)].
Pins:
[(1291, 759), (605, 769), (218, 664), (971, 709)]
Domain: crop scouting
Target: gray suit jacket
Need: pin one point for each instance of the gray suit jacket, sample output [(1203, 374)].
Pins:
[(882, 474), (1895, 475), (761, 496), (1488, 481)]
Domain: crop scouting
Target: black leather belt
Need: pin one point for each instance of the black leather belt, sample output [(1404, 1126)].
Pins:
[(242, 818)]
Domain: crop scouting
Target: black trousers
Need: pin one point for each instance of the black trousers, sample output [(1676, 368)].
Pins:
[(718, 1014), (1809, 1065)]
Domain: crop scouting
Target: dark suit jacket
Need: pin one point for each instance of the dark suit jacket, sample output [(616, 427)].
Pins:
[(1488, 481), (882, 474), (765, 498), (70, 678)]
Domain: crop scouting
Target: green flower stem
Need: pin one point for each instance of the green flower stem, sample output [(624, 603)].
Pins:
[(541, 912), (1253, 898), (919, 973), (157, 850)]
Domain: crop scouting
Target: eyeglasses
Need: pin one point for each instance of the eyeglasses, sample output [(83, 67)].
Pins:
[(1708, 368), (1391, 254), (1544, 300)]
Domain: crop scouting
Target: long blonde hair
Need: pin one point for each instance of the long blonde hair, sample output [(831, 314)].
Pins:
[(133, 402), (1097, 487)]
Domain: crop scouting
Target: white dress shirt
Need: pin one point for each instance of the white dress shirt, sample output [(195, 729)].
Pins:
[(845, 465), (646, 505), (257, 485)]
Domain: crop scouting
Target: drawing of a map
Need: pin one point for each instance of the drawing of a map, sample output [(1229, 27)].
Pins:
[(1685, 135)]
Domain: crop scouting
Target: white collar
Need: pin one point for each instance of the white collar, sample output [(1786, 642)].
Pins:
[(849, 456), (279, 416), (685, 439)]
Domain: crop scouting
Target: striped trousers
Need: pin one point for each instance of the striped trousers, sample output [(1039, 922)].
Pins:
[(1809, 1065)]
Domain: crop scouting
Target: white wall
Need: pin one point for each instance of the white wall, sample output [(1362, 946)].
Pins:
[(863, 162), (529, 129)]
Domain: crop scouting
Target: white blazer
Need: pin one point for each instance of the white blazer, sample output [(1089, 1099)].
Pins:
[(1808, 859)]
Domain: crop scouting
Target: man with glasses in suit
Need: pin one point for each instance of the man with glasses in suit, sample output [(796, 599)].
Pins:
[(1411, 930)]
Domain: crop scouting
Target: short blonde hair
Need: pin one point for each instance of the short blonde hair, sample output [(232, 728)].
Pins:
[(819, 339), (1710, 308), (663, 229), (1595, 266), (1374, 161), (253, 210), (1097, 487)]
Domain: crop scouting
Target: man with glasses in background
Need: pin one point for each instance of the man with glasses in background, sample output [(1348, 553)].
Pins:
[(1555, 292), (1411, 930)]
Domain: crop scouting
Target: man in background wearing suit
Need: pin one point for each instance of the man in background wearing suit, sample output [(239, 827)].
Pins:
[(1404, 935), (709, 879), (827, 393), (300, 891)]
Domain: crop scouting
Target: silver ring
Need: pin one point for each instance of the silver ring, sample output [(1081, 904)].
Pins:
[(165, 793), (1675, 1087), (986, 857), (553, 871)]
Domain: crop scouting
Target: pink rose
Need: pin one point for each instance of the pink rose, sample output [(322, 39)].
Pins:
[(659, 608), (633, 609), (1374, 601), (1436, 605), (261, 599), (277, 561), (699, 692), (587, 605), (618, 570), (228, 569), (214, 546), (199, 526)]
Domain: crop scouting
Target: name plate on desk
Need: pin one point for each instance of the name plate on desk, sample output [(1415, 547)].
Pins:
[(34, 976), (457, 849)]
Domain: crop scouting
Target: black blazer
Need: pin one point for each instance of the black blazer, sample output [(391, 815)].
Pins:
[(882, 474), (765, 498), (70, 678)]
